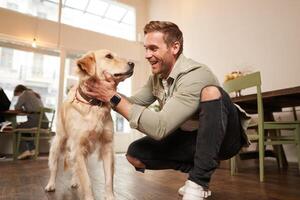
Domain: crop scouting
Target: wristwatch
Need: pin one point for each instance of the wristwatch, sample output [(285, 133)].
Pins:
[(115, 100)]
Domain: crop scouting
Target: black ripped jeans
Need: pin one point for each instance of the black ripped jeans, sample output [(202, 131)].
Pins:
[(219, 137)]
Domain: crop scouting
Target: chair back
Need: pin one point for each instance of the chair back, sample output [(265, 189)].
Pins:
[(46, 118), (243, 82), (249, 81)]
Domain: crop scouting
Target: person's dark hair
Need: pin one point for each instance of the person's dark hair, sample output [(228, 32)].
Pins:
[(19, 89), (171, 32)]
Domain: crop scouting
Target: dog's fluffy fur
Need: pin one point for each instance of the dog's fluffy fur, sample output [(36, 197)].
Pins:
[(81, 127)]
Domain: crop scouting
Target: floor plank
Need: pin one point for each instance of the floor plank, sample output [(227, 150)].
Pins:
[(25, 180)]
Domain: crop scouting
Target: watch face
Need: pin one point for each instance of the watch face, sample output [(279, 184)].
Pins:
[(115, 100)]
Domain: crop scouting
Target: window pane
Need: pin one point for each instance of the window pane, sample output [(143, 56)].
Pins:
[(70, 73), (120, 124), (108, 17), (6, 58), (79, 4), (115, 12), (40, 8), (103, 16), (40, 72), (97, 7), (129, 18)]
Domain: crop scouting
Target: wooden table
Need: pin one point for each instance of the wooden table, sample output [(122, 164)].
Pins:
[(273, 101), (11, 115)]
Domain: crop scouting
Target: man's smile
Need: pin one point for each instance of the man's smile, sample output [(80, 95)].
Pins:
[(153, 62)]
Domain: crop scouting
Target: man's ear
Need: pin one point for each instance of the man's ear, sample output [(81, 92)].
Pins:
[(175, 47), (87, 64)]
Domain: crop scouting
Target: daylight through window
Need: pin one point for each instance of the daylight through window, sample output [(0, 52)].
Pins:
[(103, 16)]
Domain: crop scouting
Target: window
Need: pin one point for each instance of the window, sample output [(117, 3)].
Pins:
[(38, 71), (122, 125), (38, 8), (102, 16), (70, 75), (6, 58), (108, 17), (12, 6), (42, 15)]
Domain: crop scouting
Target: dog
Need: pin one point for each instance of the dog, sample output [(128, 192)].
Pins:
[(85, 123)]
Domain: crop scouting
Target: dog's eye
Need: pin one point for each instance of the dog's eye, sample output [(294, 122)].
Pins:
[(109, 56)]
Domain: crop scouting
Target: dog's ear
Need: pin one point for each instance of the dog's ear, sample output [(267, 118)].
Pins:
[(87, 63)]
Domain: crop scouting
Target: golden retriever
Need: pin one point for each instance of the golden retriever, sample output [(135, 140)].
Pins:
[(85, 123)]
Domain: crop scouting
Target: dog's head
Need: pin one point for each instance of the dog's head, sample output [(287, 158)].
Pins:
[(92, 65)]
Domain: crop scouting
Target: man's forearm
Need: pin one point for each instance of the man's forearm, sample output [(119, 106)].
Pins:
[(123, 107)]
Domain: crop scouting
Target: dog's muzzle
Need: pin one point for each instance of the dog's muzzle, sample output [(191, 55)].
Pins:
[(128, 73)]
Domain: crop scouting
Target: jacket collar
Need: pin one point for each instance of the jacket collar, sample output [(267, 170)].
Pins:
[(182, 65)]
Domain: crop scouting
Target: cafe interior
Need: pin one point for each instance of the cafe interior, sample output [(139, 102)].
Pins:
[(251, 46)]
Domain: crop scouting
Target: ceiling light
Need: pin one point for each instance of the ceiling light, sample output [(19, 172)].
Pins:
[(33, 44)]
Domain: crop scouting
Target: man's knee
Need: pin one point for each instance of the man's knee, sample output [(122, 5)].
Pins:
[(132, 155), (135, 162), (210, 93)]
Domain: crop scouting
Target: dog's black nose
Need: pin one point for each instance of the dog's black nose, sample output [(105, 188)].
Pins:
[(131, 65)]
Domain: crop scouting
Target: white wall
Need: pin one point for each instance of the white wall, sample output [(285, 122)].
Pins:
[(232, 35)]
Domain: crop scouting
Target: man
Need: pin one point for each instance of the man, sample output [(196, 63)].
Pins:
[(176, 139)]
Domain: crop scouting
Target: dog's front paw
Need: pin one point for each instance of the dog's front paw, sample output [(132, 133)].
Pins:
[(109, 197), (50, 187), (89, 197), (74, 185)]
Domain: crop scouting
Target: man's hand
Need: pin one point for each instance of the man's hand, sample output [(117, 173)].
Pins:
[(103, 90)]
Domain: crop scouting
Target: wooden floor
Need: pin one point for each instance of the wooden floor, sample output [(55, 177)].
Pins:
[(25, 180)]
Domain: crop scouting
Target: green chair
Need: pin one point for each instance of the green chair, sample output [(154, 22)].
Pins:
[(37, 133), (254, 81)]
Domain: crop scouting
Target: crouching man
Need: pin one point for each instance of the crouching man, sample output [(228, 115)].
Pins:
[(197, 125)]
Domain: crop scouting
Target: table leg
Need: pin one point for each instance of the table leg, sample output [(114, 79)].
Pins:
[(13, 120), (295, 114), (14, 146)]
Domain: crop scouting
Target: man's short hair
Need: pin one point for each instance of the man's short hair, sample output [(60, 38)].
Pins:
[(171, 32)]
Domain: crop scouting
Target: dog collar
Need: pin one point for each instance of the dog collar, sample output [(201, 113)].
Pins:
[(90, 100)]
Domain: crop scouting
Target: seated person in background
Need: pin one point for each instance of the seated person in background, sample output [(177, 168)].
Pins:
[(28, 101), (4, 105)]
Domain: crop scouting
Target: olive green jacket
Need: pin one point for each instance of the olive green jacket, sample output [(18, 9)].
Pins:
[(186, 81)]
